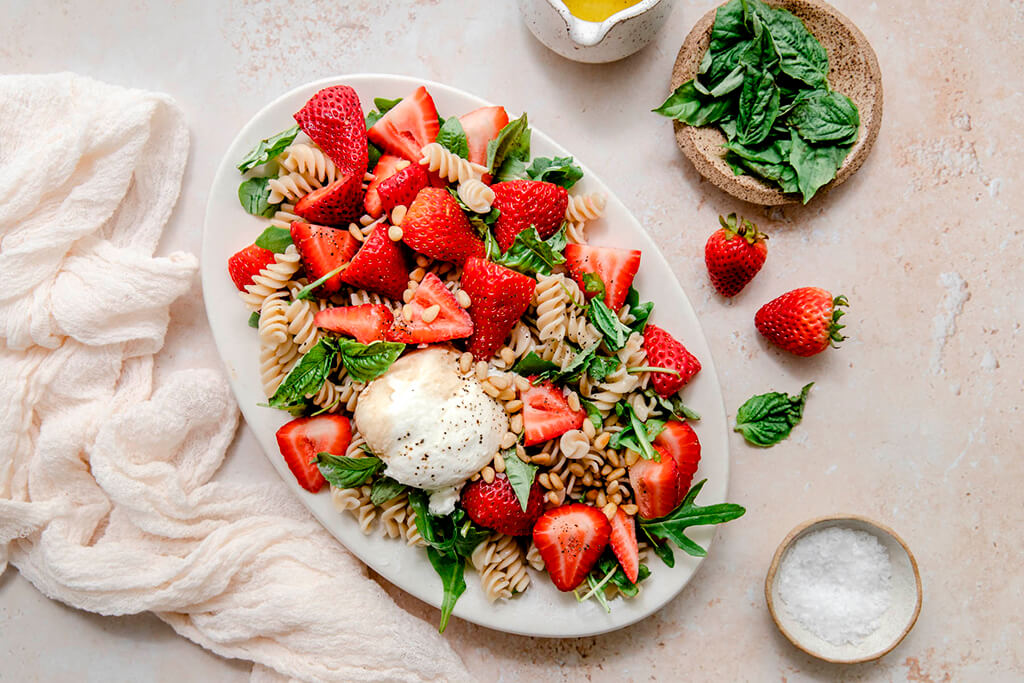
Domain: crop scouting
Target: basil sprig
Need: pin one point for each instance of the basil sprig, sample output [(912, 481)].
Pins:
[(275, 239), (384, 489), (509, 153), (268, 148), (254, 196), (345, 472), (520, 475), (530, 255), (673, 525), (637, 435), (452, 137), (766, 419), (558, 170)]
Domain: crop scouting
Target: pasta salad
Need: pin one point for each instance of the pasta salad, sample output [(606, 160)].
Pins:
[(466, 373)]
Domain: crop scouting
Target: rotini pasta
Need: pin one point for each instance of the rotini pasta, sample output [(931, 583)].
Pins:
[(274, 277), (533, 557), (300, 314), (283, 217), (392, 516), (273, 323), (585, 207), (476, 195), (309, 161), (499, 561), (290, 186), (357, 502), (449, 165), (551, 299)]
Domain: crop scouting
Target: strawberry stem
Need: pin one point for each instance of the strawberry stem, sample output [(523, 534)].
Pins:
[(741, 227), (834, 335)]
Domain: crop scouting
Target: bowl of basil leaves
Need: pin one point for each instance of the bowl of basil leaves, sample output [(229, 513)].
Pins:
[(775, 101)]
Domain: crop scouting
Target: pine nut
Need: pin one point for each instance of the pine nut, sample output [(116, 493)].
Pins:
[(356, 232), (507, 355), (612, 487), (516, 424), (431, 313), (522, 384), (489, 389), (407, 311), (556, 481), (465, 363), (402, 164), (616, 498), (509, 440), (397, 216), (591, 495), (576, 469), (602, 440), (601, 499), (481, 370), (395, 233), (541, 459), (488, 474), (365, 220), (574, 402), (418, 274), (544, 480), (553, 498), (588, 429), (630, 509), (412, 284), (513, 406), (609, 510), (507, 394), (588, 479), (408, 294), (617, 473), (445, 267), (475, 477), (631, 457), (499, 462), (521, 453), (499, 381), (613, 458), (463, 298), (605, 470), (422, 261)]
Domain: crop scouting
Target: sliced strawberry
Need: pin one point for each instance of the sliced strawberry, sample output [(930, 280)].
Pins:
[(402, 187), (333, 118), (301, 439), (323, 249), (435, 225), (482, 125), (365, 323), (408, 126), (680, 441), (450, 321), (495, 506), (571, 539), (624, 545), (380, 265), (339, 203), (615, 267), (387, 166), (500, 296), (247, 263), (525, 204), (665, 351), (655, 484), (546, 413)]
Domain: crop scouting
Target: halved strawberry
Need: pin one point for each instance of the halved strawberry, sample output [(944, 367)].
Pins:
[(500, 296), (435, 225), (571, 539), (365, 323), (450, 322), (301, 439), (339, 203), (408, 126), (495, 506), (333, 118), (323, 249), (665, 351), (247, 263), (380, 265), (546, 413), (680, 441), (525, 204), (624, 545), (482, 125), (386, 167), (402, 187), (615, 267), (655, 484)]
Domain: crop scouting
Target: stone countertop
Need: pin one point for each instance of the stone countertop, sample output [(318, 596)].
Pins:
[(916, 421)]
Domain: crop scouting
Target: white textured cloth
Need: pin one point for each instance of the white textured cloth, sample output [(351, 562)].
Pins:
[(108, 500)]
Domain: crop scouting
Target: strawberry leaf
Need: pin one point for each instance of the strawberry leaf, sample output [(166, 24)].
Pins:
[(268, 148), (520, 475), (766, 419), (673, 525)]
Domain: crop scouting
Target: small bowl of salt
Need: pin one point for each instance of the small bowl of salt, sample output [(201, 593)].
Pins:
[(844, 589)]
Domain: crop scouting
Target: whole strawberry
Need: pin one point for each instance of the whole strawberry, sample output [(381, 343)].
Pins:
[(495, 506), (804, 321), (734, 254), (526, 203)]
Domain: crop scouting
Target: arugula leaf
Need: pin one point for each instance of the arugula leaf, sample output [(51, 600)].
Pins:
[(672, 406), (385, 105), (529, 254), (384, 489), (307, 376), (593, 414), (608, 564), (275, 239), (254, 319), (759, 106), (815, 166), (673, 525), (520, 475), (766, 419), (825, 117), (453, 137), (532, 364), (636, 435), (688, 105), (661, 548), (345, 472), (451, 568), (268, 148), (366, 362), (512, 143), (640, 311), (254, 194), (560, 171), (608, 324)]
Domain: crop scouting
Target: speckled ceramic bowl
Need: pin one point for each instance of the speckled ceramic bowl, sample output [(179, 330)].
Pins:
[(853, 71), (894, 625)]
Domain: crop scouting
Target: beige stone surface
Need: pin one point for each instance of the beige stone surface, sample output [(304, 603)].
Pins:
[(915, 421)]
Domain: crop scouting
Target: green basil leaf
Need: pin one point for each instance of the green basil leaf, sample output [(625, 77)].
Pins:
[(254, 319), (759, 106), (560, 171), (453, 138), (673, 525), (593, 414), (366, 362), (374, 153), (688, 105), (637, 435), (766, 419), (602, 366), (529, 254), (254, 194), (761, 54), (801, 55), (512, 168), (593, 284), (385, 489), (531, 364), (825, 117), (608, 324), (372, 117), (385, 105), (268, 149), (513, 142), (580, 362), (672, 406), (344, 472), (520, 475), (275, 239), (466, 533), (815, 165), (451, 569), (641, 311), (307, 376)]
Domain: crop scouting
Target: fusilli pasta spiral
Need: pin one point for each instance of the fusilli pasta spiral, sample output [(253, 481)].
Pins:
[(585, 207), (283, 217), (551, 298), (500, 563), (476, 195), (300, 315), (392, 516), (274, 277), (290, 186), (273, 323), (449, 165), (357, 502), (533, 557), (309, 161)]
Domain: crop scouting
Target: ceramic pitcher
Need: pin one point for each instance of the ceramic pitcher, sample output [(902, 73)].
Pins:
[(618, 36)]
